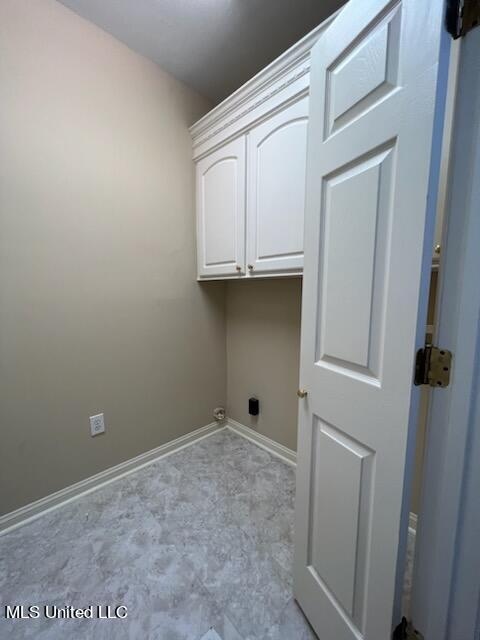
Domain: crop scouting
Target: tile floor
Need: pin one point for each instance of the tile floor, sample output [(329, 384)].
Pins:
[(197, 544)]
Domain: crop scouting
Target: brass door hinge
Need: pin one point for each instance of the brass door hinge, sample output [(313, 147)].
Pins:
[(432, 366), (462, 16), (406, 631)]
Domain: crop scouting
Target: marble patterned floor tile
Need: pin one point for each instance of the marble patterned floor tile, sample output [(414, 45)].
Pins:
[(282, 553), (223, 442), (217, 479), (265, 520), (292, 624), (211, 635), (199, 540), (213, 448), (249, 458), (223, 630)]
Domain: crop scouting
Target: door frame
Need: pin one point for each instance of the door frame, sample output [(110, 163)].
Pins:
[(446, 584)]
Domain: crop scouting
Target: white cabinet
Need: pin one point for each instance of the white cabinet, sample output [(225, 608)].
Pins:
[(276, 160), (250, 196), (220, 196), (250, 155)]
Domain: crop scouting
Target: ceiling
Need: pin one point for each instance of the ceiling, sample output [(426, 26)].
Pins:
[(213, 46)]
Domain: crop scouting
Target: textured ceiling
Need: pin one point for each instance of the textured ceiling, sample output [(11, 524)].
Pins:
[(213, 46)]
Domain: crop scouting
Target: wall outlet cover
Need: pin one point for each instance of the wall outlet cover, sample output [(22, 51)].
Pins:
[(97, 424)]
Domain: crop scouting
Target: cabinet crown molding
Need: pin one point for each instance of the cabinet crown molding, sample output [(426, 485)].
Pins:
[(259, 96)]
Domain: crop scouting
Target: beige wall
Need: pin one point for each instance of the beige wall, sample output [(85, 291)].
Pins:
[(263, 348), (99, 308)]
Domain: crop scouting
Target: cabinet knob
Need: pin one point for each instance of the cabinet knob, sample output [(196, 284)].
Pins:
[(438, 248), (302, 393), (238, 267), (250, 267)]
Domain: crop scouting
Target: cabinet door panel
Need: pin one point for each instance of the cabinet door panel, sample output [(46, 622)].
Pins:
[(220, 182), (276, 191)]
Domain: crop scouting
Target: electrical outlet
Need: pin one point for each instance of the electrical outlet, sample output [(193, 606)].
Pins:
[(97, 424)]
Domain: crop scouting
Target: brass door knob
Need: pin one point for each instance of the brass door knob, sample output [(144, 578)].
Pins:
[(301, 393), (238, 267)]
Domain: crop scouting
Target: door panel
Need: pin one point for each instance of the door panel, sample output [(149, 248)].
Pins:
[(338, 544), (276, 191), (221, 211), (353, 259), (364, 73), (372, 109)]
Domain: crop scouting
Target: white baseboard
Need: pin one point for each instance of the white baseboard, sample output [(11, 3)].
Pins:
[(55, 500), (34, 510), (276, 449)]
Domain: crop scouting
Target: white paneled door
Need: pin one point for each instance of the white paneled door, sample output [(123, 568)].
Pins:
[(369, 215), (277, 154), (221, 211)]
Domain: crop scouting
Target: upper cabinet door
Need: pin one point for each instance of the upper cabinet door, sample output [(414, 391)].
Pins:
[(220, 198), (276, 191)]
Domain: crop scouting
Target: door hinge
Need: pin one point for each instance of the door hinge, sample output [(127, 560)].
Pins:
[(462, 16), (432, 366), (406, 631)]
